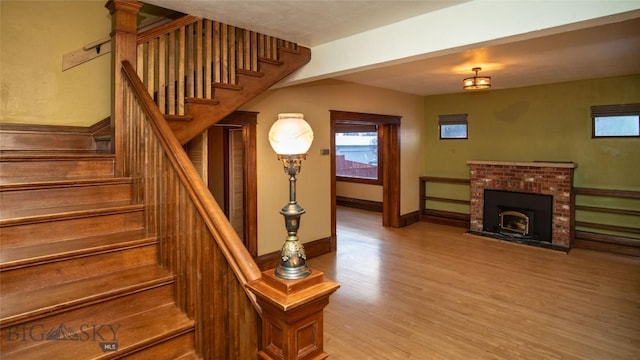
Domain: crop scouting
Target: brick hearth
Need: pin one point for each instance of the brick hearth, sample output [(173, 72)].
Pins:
[(548, 178)]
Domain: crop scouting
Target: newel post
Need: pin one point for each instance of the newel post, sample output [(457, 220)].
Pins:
[(292, 315), (124, 32)]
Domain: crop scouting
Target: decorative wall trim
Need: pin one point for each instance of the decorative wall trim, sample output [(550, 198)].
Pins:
[(594, 236), (446, 218), (359, 203), (410, 218), (440, 216), (607, 243)]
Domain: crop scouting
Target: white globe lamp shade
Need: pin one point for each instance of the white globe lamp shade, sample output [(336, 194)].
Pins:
[(290, 134)]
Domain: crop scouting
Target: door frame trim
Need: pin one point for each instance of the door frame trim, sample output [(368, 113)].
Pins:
[(248, 121), (389, 145)]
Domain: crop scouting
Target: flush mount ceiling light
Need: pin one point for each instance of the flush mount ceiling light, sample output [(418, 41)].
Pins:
[(476, 82)]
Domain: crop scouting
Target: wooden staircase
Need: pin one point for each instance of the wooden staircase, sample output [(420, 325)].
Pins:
[(78, 272), (199, 71), (202, 113), (129, 255)]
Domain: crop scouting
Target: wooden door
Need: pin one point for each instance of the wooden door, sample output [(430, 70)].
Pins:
[(232, 173), (235, 180)]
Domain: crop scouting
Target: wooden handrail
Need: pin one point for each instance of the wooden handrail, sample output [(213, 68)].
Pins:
[(166, 28), (196, 243), (217, 282), (235, 307), (243, 264)]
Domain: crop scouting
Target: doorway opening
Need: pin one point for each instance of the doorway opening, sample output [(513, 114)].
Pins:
[(387, 164), (232, 173)]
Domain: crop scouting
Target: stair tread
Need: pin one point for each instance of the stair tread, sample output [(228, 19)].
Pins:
[(49, 155), (18, 181), (180, 118), (59, 297), (22, 166), (18, 257), (125, 335), (270, 61), (194, 100), (189, 356), (250, 72), (227, 86), (14, 184), (107, 312), (17, 216)]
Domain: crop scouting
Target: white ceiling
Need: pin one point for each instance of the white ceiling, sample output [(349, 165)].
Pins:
[(591, 39)]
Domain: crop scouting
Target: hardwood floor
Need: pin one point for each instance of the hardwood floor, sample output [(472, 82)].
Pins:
[(430, 291)]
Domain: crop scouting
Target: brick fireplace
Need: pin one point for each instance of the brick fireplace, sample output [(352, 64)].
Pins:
[(546, 178)]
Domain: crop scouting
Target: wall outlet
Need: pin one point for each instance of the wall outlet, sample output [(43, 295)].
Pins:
[(325, 151)]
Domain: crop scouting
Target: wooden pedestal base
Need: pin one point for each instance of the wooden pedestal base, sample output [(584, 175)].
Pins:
[(292, 319)]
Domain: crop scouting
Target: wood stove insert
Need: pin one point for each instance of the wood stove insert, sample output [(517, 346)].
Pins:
[(518, 215)]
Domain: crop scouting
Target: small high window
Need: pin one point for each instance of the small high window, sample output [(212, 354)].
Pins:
[(453, 126), (615, 120)]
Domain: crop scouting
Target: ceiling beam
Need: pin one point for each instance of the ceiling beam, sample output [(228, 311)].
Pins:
[(465, 26)]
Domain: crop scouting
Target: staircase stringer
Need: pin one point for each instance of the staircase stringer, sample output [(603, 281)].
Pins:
[(205, 114)]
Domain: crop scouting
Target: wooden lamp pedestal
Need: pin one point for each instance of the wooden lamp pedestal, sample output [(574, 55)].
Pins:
[(292, 319)]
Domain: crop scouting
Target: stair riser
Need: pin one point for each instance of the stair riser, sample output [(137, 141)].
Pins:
[(46, 142), (60, 196), (38, 233), (168, 350), (131, 333), (59, 169), (34, 277), (106, 313)]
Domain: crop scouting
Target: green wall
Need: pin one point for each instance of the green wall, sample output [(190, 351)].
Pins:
[(547, 122)]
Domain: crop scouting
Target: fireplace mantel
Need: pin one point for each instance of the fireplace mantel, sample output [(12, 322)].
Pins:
[(537, 177), (552, 164)]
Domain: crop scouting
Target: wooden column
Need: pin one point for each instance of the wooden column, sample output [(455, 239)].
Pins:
[(124, 31), (292, 319), (391, 176)]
